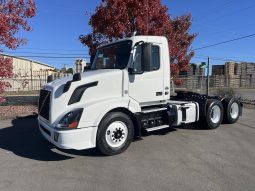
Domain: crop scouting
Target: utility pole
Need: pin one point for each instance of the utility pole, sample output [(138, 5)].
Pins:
[(202, 66), (208, 77)]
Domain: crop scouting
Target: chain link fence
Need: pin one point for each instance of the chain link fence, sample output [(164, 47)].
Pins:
[(28, 81)]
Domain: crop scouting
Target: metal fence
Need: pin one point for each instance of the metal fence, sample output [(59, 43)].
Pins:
[(24, 80), (33, 81)]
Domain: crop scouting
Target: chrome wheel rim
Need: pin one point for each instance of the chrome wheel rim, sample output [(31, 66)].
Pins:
[(116, 134), (234, 110), (215, 114)]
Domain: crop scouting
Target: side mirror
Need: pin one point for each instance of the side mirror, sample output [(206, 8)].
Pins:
[(76, 77), (49, 78), (146, 57), (86, 68)]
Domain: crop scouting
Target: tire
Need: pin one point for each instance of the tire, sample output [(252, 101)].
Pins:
[(115, 133), (232, 110), (214, 114)]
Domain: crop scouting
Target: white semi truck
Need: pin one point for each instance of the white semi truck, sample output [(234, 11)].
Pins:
[(127, 91)]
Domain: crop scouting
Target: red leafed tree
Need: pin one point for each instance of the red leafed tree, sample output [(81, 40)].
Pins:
[(116, 19), (13, 17)]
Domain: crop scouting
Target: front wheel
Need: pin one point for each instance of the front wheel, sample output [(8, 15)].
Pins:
[(115, 133)]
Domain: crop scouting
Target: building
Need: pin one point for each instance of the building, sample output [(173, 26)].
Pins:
[(218, 70), (28, 75)]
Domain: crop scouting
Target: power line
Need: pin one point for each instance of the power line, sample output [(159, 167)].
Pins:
[(220, 59), (46, 53), (47, 49), (225, 42), (34, 56)]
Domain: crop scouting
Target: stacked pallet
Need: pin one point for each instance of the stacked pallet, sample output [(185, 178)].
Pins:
[(192, 82), (247, 68), (243, 68), (238, 69), (230, 68), (233, 81), (252, 81), (250, 68), (245, 81), (218, 81)]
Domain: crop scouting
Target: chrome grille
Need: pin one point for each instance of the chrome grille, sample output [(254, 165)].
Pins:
[(44, 104)]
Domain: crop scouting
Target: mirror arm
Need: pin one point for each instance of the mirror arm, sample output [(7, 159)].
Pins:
[(131, 71), (138, 43)]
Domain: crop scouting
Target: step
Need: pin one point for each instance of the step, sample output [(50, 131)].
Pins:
[(157, 128), (153, 110)]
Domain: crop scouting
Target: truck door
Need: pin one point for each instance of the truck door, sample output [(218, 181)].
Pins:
[(147, 87)]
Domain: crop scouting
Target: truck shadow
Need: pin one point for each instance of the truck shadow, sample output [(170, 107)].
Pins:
[(24, 139), (160, 132), (194, 126)]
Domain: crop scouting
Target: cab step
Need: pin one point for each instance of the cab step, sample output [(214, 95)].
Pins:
[(153, 110), (157, 128)]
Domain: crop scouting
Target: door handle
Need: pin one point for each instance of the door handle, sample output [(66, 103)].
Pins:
[(159, 93)]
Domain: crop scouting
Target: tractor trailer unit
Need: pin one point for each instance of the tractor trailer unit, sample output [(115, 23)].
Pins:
[(127, 92)]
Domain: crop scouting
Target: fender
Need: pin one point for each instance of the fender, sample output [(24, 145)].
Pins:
[(95, 112)]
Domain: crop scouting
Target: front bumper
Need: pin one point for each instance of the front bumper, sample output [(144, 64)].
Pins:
[(77, 139)]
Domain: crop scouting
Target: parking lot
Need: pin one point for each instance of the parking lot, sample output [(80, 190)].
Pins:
[(176, 159)]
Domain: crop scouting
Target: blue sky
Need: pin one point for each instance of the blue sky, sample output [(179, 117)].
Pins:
[(59, 23)]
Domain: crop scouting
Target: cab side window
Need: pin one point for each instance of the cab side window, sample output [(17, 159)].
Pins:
[(155, 57)]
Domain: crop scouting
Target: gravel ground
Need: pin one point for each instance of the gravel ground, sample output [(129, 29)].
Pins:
[(10, 112)]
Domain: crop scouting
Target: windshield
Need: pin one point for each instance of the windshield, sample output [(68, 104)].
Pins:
[(115, 56)]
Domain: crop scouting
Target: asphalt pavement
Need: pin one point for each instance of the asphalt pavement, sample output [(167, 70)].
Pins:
[(184, 158)]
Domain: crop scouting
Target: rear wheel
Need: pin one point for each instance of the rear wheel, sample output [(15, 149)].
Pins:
[(232, 109), (214, 114), (115, 133)]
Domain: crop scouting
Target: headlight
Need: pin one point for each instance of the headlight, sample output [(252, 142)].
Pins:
[(70, 120)]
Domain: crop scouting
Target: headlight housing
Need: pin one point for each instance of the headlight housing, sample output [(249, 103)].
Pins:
[(70, 120)]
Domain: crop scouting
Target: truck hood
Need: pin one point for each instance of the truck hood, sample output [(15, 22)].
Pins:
[(86, 77), (108, 85)]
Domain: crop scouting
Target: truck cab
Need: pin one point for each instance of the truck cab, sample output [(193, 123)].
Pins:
[(127, 91)]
